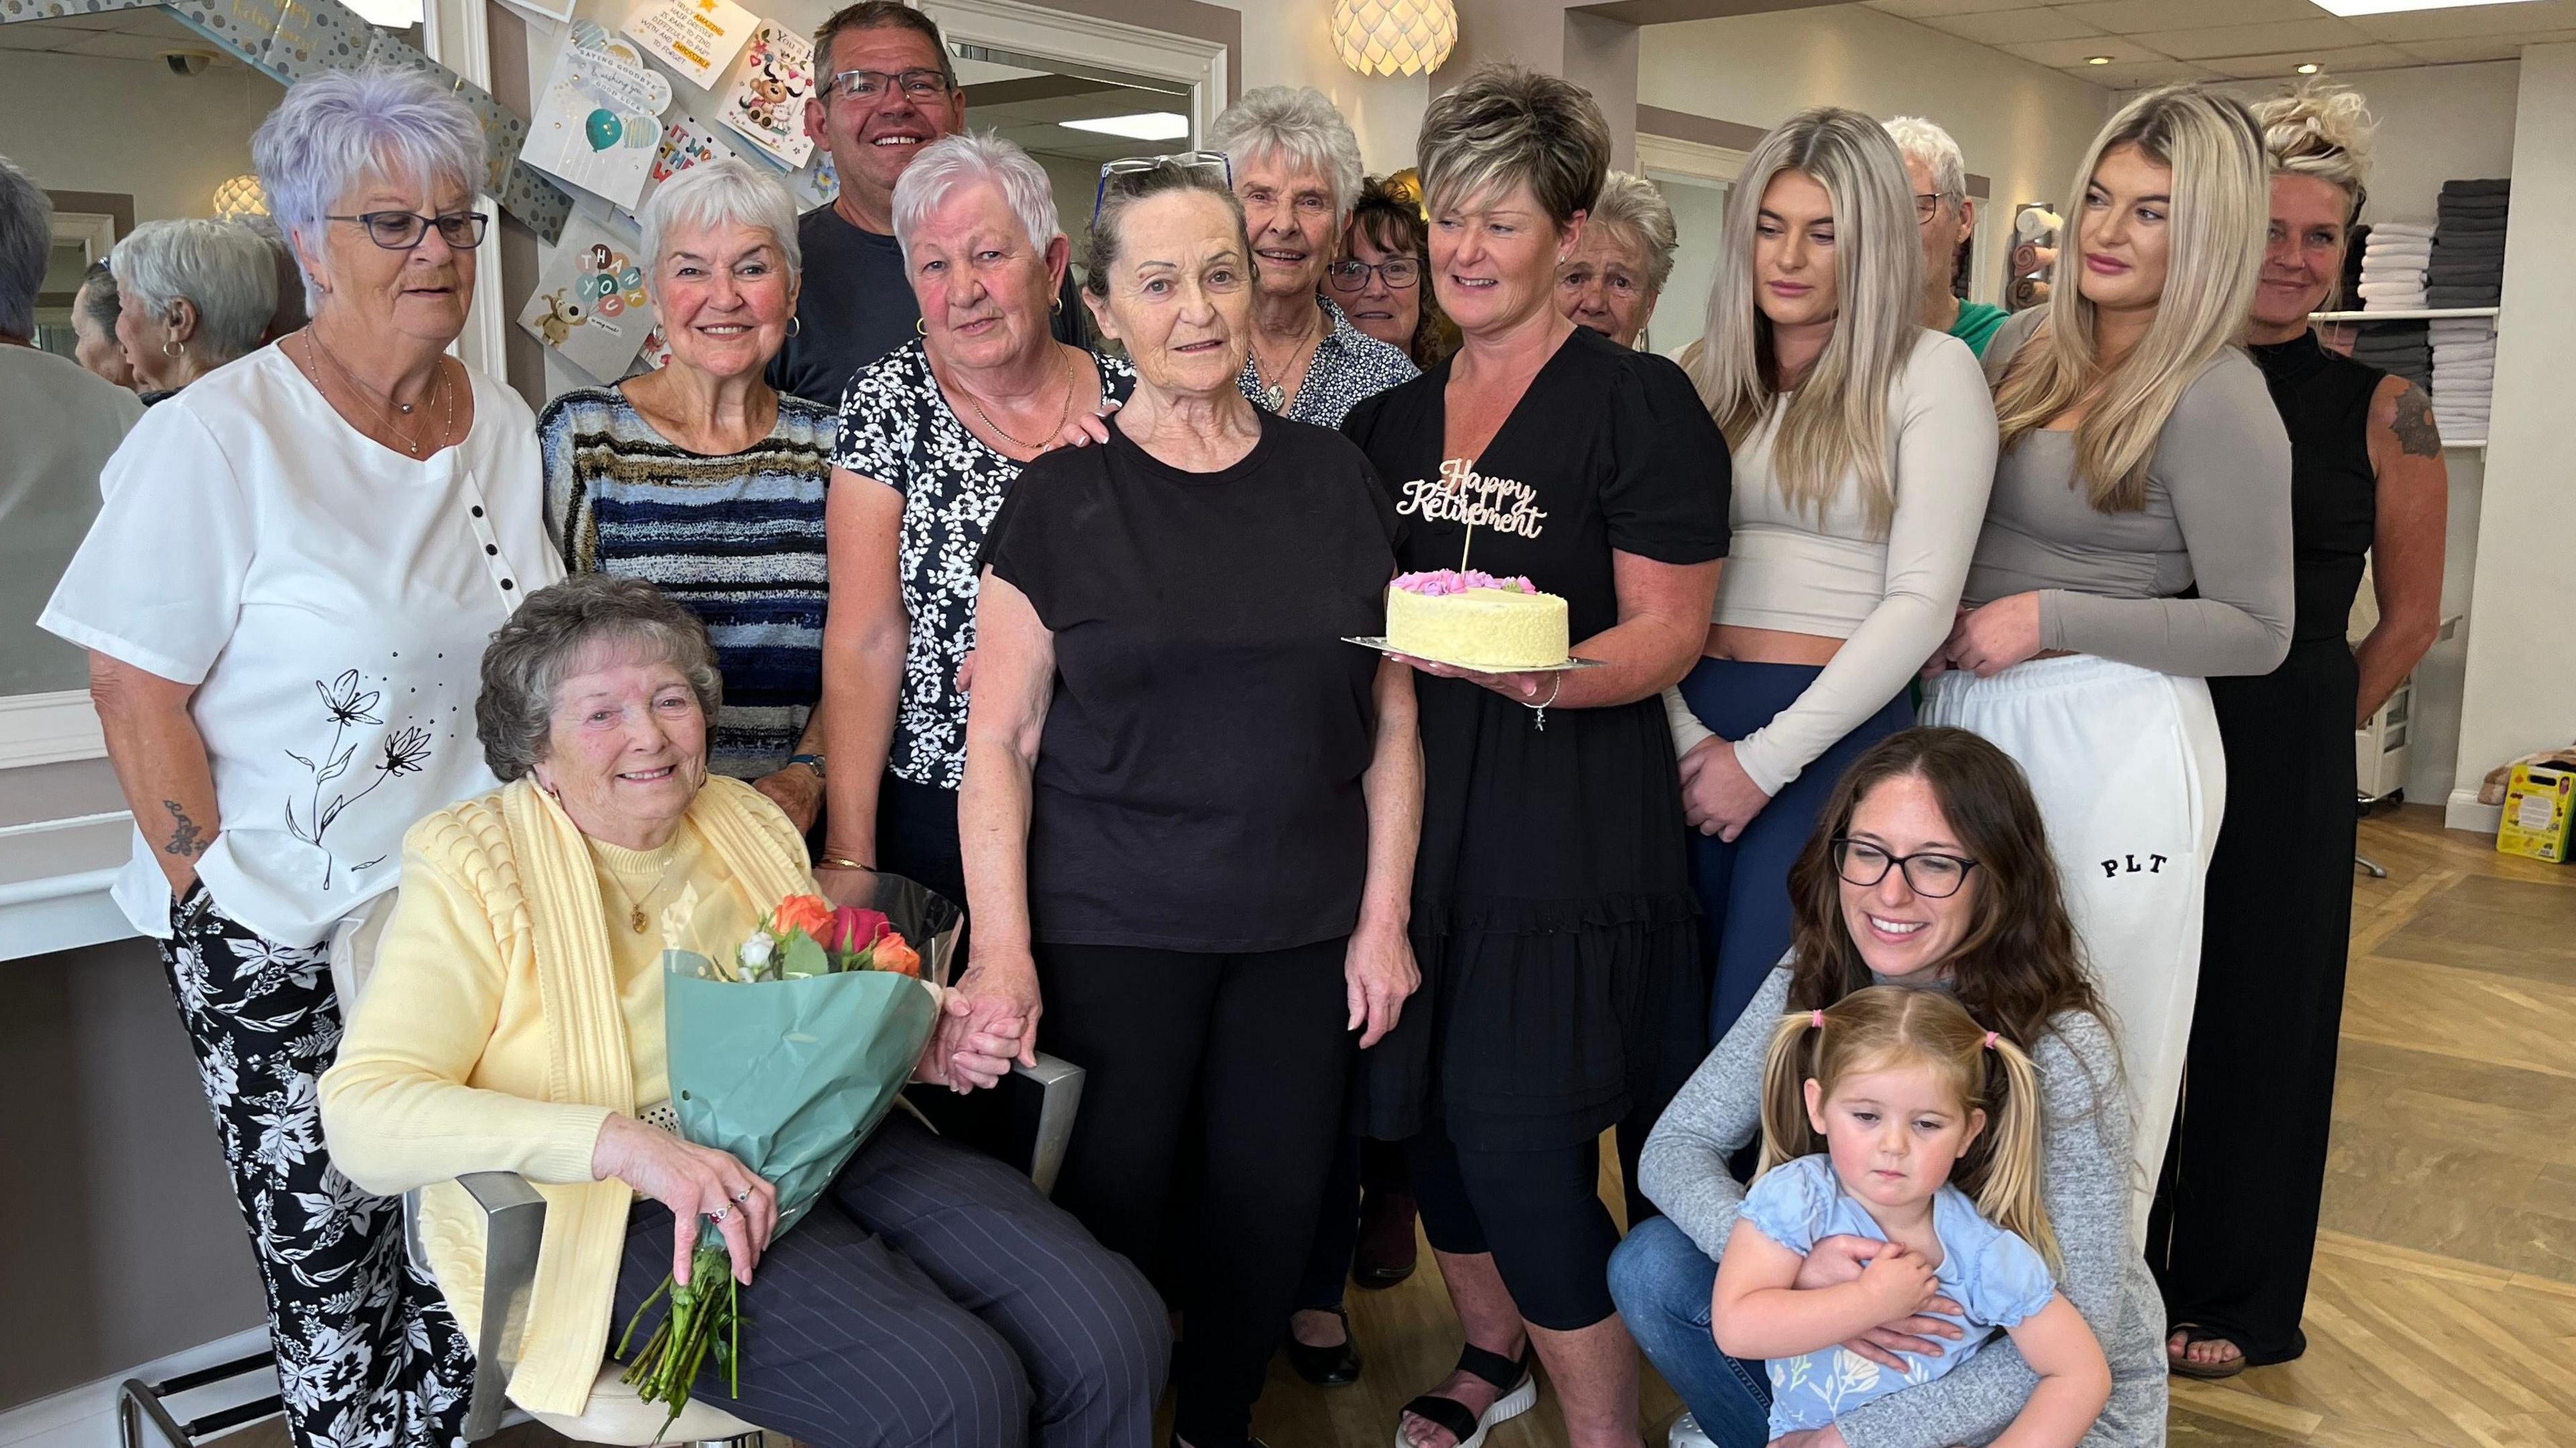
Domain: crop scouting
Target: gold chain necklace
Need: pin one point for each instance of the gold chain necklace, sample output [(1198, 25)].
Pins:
[(635, 903), (1061, 418), (383, 402)]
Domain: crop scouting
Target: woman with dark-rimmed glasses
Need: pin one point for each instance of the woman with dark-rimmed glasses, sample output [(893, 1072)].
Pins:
[(1379, 281), (285, 597)]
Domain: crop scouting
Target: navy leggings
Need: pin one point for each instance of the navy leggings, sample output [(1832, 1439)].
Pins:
[(1744, 886)]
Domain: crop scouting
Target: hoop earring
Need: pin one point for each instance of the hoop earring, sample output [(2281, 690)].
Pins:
[(1055, 305), (173, 347), (920, 327), (795, 325)]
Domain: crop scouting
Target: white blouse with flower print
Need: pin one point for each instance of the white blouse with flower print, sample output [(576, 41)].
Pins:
[(330, 599)]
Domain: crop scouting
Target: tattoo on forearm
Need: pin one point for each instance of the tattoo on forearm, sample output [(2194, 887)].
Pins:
[(2417, 437), (186, 839)]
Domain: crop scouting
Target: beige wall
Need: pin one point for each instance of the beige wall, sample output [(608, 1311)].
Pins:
[(119, 1239), (53, 122), (2021, 124)]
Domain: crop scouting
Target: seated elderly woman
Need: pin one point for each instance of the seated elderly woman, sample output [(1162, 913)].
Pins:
[(932, 435), (1622, 261), (701, 478), (513, 1023), (192, 295), (1296, 167)]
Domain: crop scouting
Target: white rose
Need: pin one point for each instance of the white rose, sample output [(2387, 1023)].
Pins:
[(756, 951)]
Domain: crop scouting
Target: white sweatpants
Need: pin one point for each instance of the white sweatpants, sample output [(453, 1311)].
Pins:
[(2131, 781)]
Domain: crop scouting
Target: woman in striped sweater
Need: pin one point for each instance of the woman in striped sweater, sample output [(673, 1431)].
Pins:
[(703, 480)]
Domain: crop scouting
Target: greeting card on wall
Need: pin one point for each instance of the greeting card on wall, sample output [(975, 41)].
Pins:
[(599, 120), (817, 184), (685, 142), (697, 38), (767, 105), (590, 304)]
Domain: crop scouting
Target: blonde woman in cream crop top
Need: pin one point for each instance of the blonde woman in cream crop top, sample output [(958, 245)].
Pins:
[(1889, 597)]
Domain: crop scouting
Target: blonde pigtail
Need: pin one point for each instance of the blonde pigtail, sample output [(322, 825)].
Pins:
[(2008, 1192), (1786, 1132)]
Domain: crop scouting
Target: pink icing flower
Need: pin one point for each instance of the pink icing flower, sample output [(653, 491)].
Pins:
[(1449, 580)]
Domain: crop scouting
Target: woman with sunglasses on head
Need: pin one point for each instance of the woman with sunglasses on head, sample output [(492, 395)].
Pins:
[(2136, 543), (285, 599), (2235, 1225), (1864, 444), (1296, 166)]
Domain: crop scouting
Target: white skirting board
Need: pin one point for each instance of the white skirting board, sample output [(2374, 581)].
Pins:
[(85, 1417), (2462, 813)]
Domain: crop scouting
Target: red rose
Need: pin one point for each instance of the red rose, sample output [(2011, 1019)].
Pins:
[(853, 929)]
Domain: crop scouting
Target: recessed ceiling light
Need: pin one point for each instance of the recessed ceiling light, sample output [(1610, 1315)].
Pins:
[(2392, 7), (2097, 60), (1147, 126), (2308, 69)]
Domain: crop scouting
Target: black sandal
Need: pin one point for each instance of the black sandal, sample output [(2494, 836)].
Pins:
[(2193, 1333), (1516, 1381), (1327, 1367)]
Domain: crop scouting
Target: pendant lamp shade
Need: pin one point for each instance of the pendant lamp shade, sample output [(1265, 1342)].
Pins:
[(1394, 37)]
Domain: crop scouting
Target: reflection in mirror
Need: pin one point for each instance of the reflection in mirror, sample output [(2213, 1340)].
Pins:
[(121, 117)]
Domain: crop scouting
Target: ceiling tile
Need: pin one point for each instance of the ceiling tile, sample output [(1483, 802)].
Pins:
[(2471, 21), (2481, 47), (1920, 9), (2137, 17), (2280, 35), (1998, 27), (2072, 54), (2136, 74), (2332, 62)]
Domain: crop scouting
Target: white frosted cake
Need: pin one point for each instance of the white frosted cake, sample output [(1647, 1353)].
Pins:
[(1476, 620)]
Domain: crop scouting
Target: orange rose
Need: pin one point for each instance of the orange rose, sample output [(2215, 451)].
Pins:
[(809, 913), (893, 954)]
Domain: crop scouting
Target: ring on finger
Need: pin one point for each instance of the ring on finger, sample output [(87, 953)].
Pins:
[(718, 1215), (743, 1196)]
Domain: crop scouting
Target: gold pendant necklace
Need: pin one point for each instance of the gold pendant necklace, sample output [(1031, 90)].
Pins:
[(635, 917), (1274, 395), (1062, 418)]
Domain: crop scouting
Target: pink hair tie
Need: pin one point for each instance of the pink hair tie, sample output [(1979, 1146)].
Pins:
[(1990, 1040), (1816, 1019)]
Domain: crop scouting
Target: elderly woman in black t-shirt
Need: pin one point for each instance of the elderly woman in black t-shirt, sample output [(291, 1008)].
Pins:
[(1189, 809)]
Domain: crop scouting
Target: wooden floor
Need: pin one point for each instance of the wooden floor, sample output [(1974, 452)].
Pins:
[(2443, 1309)]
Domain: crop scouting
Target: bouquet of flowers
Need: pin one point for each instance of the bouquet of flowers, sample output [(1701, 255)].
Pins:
[(789, 1077)]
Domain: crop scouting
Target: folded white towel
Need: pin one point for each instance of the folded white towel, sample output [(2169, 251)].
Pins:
[(2392, 286), (2396, 251), (2444, 358), (2394, 229)]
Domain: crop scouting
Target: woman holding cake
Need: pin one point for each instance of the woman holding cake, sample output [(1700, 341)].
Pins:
[(2137, 543), (1864, 445), (1552, 911), (1189, 808)]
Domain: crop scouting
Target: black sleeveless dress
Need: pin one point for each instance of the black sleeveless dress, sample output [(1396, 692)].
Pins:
[(2235, 1220), (1563, 989)]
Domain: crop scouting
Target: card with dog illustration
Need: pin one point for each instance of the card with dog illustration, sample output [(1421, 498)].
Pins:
[(590, 305), (767, 104)]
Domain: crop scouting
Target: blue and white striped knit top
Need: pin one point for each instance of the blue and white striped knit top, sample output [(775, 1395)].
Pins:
[(737, 538)]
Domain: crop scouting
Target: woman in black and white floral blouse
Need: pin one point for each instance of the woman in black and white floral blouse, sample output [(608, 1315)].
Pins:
[(932, 435)]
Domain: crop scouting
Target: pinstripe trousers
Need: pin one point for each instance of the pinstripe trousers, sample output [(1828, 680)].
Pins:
[(933, 1297)]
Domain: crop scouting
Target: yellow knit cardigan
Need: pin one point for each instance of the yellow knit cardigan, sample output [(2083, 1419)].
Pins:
[(489, 1039)]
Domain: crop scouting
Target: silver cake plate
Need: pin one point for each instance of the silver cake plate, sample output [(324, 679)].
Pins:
[(1379, 643)]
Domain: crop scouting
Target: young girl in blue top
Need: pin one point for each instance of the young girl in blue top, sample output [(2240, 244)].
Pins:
[(1899, 1087)]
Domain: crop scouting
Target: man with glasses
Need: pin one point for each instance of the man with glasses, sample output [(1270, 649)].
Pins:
[(888, 90), (1939, 178)]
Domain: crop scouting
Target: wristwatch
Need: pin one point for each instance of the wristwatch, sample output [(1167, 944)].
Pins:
[(813, 762)]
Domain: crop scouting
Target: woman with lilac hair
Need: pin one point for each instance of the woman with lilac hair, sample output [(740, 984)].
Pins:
[(284, 599)]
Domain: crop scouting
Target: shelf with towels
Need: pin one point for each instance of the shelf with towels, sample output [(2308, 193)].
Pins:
[(2418, 314)]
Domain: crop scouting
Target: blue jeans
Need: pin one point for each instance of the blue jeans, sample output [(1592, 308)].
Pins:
[(1744, 886), (1661, 1282)]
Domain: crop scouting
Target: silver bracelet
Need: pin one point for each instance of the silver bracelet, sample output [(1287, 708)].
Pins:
[(1555, 687)]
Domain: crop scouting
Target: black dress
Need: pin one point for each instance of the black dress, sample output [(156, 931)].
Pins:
[(1553, 918), (2235, 1221)]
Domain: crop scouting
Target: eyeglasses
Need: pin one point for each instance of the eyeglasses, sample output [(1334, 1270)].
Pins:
[(1352, 275), (404, 230), (1927, 204), (1933, 876), (1214, 163), (866, 85)]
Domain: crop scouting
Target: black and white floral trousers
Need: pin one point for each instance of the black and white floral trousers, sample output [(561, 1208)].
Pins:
[(368, 1355)]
